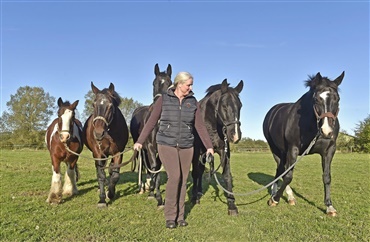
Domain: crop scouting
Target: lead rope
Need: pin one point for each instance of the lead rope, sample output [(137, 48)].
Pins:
[(210, 160), (100, 159)]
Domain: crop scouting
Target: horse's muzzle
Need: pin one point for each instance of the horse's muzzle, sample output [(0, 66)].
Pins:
[(99, 135)]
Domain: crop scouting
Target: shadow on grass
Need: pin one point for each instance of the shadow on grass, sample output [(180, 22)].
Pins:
[(220, 195)]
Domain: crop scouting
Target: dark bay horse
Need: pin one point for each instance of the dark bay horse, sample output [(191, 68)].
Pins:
[(220, 109), (150, 159), (64, 131), (106, 134), (289, 129)]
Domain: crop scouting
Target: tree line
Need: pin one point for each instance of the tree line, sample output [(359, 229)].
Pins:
[(30, 110)]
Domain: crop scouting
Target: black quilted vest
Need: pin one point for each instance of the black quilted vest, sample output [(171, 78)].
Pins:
[(177, 122)]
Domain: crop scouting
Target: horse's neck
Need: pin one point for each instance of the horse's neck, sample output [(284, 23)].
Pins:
[(305, 107)]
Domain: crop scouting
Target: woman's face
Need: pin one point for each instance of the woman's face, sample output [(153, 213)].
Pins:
[(186, 87)]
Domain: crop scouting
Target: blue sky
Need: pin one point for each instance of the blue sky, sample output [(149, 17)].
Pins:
[(272, 46)]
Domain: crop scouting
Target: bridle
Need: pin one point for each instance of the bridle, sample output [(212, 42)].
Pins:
[(324, 115), (99, 117), (225, 124)]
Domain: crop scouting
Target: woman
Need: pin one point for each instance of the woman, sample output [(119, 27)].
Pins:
[(179, 114)]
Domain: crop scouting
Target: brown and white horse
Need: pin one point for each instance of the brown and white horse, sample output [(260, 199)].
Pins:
[(64, 131)]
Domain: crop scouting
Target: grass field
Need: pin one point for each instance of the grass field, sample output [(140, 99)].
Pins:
[(25, 178)]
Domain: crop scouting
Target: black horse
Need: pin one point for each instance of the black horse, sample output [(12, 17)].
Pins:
[(106, 134), (290, 128), (220, 109), (161, 83)]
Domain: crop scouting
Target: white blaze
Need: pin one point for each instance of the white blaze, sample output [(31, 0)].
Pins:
[(236, 137), (326, 129), (66, 119)]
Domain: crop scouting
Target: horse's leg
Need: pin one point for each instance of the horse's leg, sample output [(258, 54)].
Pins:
[(70, 186), (142, 161), (195, 173), (274, 187), (55, 194), (326, 178), (291, 198), (157, 183), (226, 173), (114, 177), (291, 157), (100, 172), (152, 164), (200, 179)]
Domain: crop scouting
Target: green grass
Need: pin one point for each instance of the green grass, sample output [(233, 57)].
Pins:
[(25, 178)]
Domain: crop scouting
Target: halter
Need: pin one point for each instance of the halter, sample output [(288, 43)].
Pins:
[(103, 119), (65, 130), (224, 127), (324, 115), (217, 116)]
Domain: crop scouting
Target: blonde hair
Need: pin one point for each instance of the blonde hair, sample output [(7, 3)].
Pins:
[(181, 77)]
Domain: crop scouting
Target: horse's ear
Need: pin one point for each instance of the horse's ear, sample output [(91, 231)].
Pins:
[(339, 79), (60, 102), (94, 88), (74, 105), (156, 69), (317, 80), (111, 87), (239, 87), (224, 86), (169, 70)]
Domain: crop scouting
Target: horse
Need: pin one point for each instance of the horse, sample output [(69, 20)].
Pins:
[(105, 134), (64, 132), (220, 109), (149, 157), (290, 128)]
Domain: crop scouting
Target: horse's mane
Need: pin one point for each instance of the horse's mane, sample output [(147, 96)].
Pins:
[(325, 82), (115, 96), (214, 88)]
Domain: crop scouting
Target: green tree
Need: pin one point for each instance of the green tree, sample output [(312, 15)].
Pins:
[(29, 112), (88, 107), (127, 107), (362, 133), (345, 142)]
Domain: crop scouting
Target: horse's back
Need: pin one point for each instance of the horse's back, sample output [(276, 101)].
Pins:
[(137, 121)]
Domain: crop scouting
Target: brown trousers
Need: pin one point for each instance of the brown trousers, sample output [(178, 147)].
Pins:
[(177, 164)]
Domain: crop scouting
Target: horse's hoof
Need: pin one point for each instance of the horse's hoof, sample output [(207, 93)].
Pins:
[(331, 212), (272, 203), (102, 205), (292, 202), (160, 207), (232, 212)]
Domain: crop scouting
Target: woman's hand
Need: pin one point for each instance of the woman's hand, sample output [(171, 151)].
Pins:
[(210, 151), (138, 146)]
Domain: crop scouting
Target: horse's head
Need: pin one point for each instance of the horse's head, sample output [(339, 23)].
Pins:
[(66, 116), (105, 104), (325, 102), (162, 81), (227, 110)]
